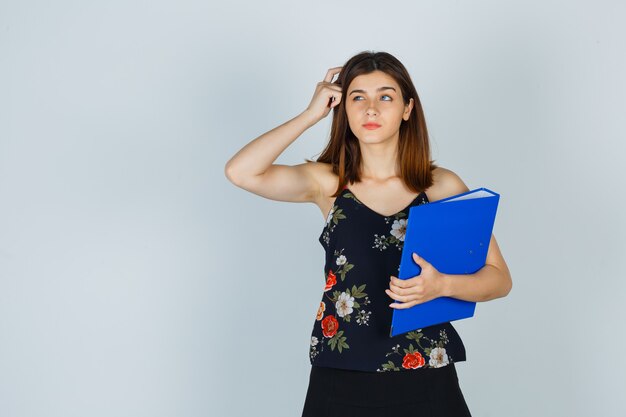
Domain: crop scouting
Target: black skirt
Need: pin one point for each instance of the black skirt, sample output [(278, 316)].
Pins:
[(429, 392)]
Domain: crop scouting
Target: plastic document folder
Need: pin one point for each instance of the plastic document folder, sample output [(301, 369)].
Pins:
[(452, 234)]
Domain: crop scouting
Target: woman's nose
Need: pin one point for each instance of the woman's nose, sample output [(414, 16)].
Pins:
[(370, 111)]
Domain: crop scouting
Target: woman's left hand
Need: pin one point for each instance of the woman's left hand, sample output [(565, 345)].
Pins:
[(418, 289)]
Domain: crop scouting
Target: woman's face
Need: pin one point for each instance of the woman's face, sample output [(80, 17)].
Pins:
[(376, 98)]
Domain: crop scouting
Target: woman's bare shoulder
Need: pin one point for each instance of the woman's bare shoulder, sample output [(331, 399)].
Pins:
[(324, 176), (446, 183)]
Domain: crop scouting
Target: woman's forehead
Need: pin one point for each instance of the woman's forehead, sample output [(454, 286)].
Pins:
[(372, 81)]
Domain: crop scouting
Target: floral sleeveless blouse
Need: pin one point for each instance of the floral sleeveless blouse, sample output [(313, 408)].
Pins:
[(352, 326)]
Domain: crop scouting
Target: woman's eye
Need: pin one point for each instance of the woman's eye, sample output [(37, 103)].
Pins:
[(355, 98)]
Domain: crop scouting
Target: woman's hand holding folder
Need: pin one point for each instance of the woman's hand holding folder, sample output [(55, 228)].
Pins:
[(419, 289)]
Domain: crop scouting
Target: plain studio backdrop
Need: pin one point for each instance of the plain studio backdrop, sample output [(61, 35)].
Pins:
[(135, 280)]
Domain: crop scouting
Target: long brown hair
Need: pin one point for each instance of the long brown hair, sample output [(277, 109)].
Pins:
[(343, 151)]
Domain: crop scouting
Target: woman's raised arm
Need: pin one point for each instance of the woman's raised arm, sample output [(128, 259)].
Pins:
[(252, 168)]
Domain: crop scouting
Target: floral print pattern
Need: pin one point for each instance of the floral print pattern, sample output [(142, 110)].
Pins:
[(332, 219), (344, 302), (396, 233), (353, 317), (343, 265), (413, 359), (352, 196)]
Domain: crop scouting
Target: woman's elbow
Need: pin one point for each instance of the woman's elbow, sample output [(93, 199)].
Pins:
[(509, 284)]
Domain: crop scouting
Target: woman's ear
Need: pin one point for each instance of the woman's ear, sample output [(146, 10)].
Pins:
[(408, 109)]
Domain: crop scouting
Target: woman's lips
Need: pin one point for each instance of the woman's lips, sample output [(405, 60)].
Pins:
[(371, 126)]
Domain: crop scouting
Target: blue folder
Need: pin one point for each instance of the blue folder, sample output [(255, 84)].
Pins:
[(452, 234)]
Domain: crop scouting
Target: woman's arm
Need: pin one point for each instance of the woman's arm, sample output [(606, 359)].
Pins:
[(257, 156), (491, 281), (252, 168)]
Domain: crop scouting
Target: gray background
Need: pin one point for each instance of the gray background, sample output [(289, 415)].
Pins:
[(135, 280)]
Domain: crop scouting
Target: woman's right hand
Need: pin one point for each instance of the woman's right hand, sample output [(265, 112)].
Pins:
[(327, 95)]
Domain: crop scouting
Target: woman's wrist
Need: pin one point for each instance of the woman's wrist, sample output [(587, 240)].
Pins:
[(310, 118), (446, 285)]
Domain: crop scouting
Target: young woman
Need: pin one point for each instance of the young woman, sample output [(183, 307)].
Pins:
[(375, 167)]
